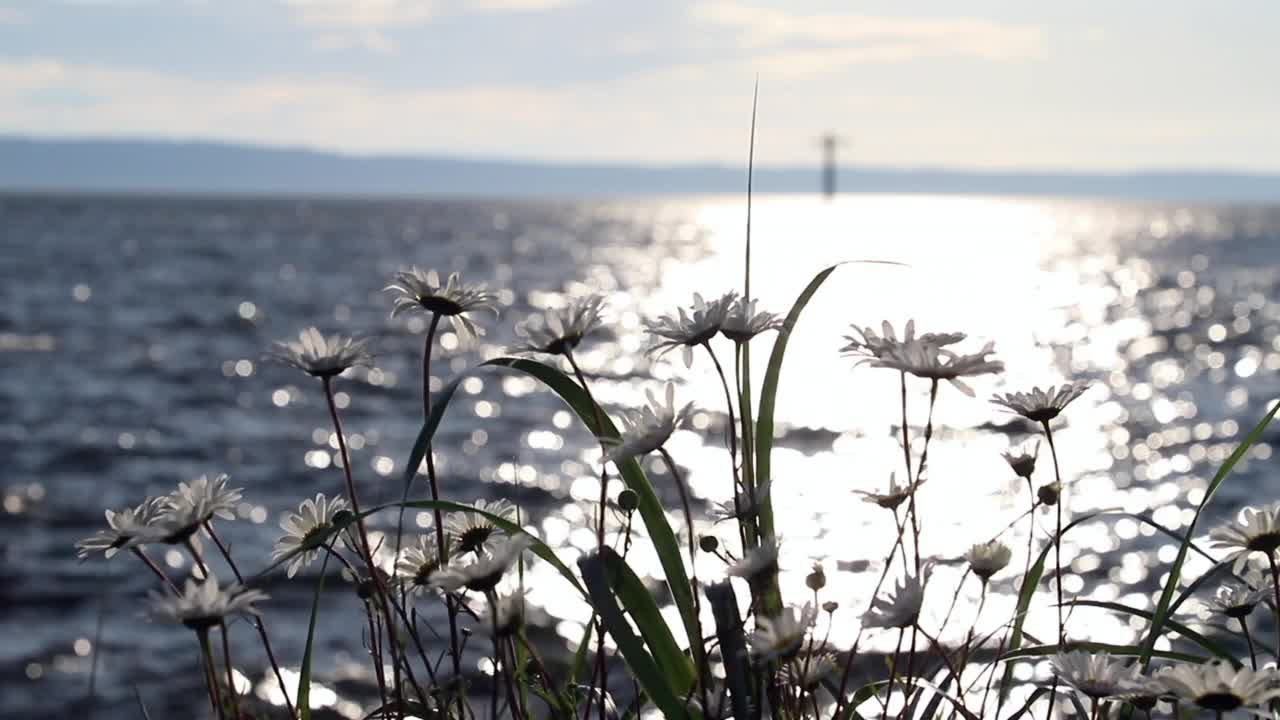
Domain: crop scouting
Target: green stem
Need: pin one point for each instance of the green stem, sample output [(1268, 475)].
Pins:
[(231, 678), (1057, 538)]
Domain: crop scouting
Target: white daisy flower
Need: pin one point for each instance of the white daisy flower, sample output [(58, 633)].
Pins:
[(125, 528), (1041, 406), (988, 558), (744, 509), (484, 573), (870, 346), (894, 496), (194, 504), (743, 322), (759, 561), (320, 356), (1022, 460), (307, 530), (420, 291), (1097, 676), (1235, 600), (1257, 530), (417, 564), (471, 530), (688, 330), (808, 671), (506, 613), (205, 604), (646, 429), (901, 608), (558, 332), (1217, 687), (780, 637), (932, 362)]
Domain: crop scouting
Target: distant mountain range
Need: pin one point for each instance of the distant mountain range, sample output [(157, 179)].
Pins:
[(149, 166)]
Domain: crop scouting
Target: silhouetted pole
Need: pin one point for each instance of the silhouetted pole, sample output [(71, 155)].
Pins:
[(829, 143)]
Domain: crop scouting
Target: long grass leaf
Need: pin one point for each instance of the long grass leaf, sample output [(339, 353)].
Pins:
[(1175, 570), (733, 647), (650, 507), (638, 602), (643, 667), (308, 652), (1195, 637), (1037, 651)]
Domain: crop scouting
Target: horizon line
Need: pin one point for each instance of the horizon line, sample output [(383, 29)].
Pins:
[(571, 163)]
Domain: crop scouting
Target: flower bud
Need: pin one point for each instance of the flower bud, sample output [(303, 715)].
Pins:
[(628, 500), (830, 606), (817, 579), (1050, 493), (709, 543)]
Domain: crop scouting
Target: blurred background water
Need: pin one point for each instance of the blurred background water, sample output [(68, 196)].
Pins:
[(132, 332)]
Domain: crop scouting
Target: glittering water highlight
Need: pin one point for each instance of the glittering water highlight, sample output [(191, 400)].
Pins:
[(133, 331)]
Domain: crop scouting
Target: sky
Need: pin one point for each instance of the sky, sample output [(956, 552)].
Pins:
[(1082, 85)]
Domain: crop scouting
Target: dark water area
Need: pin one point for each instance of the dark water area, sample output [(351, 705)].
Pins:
[(132, 332)]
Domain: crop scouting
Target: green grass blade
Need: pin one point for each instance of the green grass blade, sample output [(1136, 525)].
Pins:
[(769, 395), (1208, 645), (643, 667), (304, 674), (638, 602), (650, 507), (1175, 571), (733, 647), (1037, 651)]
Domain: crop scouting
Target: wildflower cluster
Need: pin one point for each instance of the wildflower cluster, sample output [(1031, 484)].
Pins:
[(747, 651)]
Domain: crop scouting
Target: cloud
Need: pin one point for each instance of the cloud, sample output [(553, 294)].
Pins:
[(787, 42), (368, 24)]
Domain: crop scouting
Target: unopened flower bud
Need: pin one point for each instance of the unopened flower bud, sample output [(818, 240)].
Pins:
[(709, 543), (817, 579), (628, 500), (830, 606), (1050, 493)]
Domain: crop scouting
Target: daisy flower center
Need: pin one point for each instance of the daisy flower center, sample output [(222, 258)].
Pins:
[(1265, 542), (441, 305), (1219, 701), (474, 539)]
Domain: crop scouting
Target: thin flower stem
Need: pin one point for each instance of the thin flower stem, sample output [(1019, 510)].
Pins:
[(732, 437), (693, 566), (913, 510), (1248, 638), (255, 620), (841, 699), (442, 547), (211, 672), (601, 670), (374, 576), (1275, 584), (893, 671), (492, 599), (195, 557), (742, 379), (156, 569), (1057, 538), (231, 678)]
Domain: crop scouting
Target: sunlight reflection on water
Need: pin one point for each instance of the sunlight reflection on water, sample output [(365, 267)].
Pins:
[(1170, 311)]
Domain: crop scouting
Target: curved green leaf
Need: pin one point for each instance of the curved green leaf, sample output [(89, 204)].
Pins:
[(638, 602), (1036, 651), (646, 671), (304, 673), (650, 507), (1175, 571), (1195, 637)]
